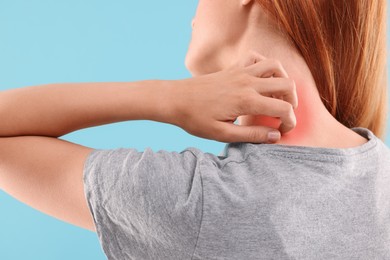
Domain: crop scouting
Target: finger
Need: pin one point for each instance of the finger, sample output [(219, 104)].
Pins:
[(250, 134), (280, 87), (267, 68), (251, 57), (272, 107)]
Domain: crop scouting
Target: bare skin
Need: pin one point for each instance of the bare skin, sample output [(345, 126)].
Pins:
[(218, 41), (46, 172), (199, 105)]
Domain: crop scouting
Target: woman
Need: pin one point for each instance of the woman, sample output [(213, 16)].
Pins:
[(320, 191)]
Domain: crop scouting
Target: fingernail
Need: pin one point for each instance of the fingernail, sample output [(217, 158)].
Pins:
[(273, 136)]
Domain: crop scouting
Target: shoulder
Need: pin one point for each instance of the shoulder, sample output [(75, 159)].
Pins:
[(153, 198)]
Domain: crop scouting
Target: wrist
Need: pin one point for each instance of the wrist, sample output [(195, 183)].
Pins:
[(161, 97)]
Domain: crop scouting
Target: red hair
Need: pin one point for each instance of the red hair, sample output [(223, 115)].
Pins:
[(344, 44)]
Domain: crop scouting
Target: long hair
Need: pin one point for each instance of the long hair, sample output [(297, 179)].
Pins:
[(344, 44)]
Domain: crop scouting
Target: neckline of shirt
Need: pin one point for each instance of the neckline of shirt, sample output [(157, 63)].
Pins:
[(365, 149)]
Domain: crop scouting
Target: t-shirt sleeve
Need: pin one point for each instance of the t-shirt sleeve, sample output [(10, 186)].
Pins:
[(145, 204)]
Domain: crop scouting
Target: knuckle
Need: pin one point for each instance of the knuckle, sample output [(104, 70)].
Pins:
[(276, 63), (287, 108), (254, 134), (246, 80), (293, 122), (245, 98), (291, 84), (219, 130), (258, 104), (219, 134), (248, 104), (224, 135), (251, 134)]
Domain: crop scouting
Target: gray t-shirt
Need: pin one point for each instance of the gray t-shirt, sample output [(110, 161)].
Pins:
[(254, 201)]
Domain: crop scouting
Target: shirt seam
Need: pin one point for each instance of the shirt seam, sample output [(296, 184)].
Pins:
[(372, 144), (298, 155), (326, 158), (201, 217)]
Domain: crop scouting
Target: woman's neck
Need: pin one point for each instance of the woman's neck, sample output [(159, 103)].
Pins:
[(315, 127)]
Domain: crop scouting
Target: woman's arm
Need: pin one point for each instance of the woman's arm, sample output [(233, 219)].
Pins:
[(205, 106), (57, 109)]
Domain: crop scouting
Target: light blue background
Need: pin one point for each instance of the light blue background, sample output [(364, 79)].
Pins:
[(50, 41)]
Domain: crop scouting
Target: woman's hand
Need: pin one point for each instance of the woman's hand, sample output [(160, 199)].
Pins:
[(207, 106)]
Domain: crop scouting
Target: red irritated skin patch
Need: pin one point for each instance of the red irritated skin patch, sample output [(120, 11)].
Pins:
[(305, 115)]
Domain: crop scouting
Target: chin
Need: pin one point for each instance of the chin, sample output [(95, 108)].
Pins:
[(192, 65), (200, 61)]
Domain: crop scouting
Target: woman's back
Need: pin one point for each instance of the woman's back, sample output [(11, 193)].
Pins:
[(256, 201)]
